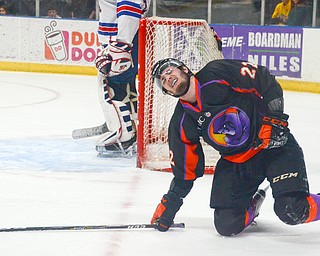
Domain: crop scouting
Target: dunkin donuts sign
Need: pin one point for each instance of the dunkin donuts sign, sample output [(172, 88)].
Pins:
[(68, 45)]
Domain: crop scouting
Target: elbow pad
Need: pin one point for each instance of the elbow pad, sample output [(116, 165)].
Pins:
[(276, 105)]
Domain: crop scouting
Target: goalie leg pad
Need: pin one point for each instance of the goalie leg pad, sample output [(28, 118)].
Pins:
[(117, 116), (119, 122)]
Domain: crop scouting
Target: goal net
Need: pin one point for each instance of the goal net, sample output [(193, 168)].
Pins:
[(191, 41)]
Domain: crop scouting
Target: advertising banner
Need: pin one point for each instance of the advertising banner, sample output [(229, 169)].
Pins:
[(70, 45), (276, 47), (49, 41), (288, 52)]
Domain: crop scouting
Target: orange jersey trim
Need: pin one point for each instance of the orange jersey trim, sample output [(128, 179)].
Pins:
[(264, 134), (191, 159), (243, 157)]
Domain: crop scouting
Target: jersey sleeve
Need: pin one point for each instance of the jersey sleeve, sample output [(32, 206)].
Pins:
[(267, 85), (119, 20), (251, 78), (186, 153), (129, 14)]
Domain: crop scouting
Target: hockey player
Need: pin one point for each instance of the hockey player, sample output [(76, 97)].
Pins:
[(237, 107), (117, 66)]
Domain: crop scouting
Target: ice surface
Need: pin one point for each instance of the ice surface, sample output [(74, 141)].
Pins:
[(47, 178)]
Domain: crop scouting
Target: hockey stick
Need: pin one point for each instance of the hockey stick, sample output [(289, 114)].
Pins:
[(99, 227), (89, 132)]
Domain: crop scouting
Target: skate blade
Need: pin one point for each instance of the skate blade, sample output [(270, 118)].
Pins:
[(127, 153)]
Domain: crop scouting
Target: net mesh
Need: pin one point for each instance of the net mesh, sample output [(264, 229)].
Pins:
[(190, 41)]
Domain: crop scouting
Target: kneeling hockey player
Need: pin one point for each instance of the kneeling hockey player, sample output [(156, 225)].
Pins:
[(237, 107)]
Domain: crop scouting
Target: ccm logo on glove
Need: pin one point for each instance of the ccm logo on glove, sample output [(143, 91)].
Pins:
[(274, 131), (275, 121)]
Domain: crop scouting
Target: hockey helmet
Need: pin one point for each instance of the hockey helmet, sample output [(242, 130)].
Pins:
[(161, 65)]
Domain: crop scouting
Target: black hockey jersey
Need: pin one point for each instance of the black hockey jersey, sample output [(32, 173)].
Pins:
[(232, 97)]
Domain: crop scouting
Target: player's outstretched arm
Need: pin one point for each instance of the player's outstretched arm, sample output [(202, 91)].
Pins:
[(170, 204)]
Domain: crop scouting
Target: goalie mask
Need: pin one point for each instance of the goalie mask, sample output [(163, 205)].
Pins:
[(161, 65)]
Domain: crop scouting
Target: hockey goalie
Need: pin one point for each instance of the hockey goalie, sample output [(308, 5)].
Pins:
[(117, 69)]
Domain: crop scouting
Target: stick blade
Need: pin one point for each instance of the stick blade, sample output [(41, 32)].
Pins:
[(89, 132)]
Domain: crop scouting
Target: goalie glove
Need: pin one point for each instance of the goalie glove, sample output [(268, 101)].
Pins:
[(114, 59), (274, 131), (166, 211)]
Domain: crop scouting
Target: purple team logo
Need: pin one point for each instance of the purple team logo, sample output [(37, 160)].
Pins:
[(230, 128)]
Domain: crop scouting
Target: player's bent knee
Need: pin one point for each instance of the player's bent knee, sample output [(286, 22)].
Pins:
[(228, 222), (292, 209)]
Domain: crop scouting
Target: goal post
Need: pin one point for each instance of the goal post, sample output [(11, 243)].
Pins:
[(191, 41)]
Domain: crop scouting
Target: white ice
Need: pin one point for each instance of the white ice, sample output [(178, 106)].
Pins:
[(48, 179)]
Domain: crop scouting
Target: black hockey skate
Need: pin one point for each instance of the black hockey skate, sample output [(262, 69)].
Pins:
[(256, 202)]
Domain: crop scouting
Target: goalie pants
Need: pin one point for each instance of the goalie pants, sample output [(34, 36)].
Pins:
[(235, 184)]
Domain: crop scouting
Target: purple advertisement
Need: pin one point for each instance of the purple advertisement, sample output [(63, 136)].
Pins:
[(276, 47)]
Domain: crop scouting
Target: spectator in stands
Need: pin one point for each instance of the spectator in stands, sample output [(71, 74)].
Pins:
[(300, 14), (3, 10), (281, 12), (20, 7), (10, 6), (269, 8), (52, 13)]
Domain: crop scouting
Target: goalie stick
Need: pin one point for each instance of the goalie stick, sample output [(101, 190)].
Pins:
[(89, 132), (98, 227)]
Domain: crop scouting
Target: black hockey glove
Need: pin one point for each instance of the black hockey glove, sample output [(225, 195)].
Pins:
[(166, 211), (274, 131)]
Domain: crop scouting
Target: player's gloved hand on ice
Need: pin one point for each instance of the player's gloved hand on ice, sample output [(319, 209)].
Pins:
[(274, 131), (166, 211), (114, 59)]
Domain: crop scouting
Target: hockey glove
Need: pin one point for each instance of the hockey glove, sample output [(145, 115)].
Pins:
[(166, 211), (114, 59), (274, 131)]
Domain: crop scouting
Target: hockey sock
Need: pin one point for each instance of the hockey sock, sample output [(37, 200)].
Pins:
[(314, 204)]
